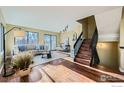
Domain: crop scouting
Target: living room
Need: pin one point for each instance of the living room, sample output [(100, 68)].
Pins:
[(32, 40)]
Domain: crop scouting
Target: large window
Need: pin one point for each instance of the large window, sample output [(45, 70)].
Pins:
[(30, 38), (50, 41), (1, 37)]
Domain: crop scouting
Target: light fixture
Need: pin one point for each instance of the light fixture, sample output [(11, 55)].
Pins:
[(7, 72), (65, 29)]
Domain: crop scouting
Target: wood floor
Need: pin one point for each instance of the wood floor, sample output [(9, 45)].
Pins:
[(62, 70)]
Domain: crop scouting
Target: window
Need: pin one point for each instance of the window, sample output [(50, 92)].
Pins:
[(1, 37), (30, 38), (50, 41), (53, 43)]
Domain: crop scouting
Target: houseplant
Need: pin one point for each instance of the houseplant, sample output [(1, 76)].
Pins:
[(22, 63)]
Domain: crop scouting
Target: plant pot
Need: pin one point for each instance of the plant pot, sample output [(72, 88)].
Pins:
[(24, 72)]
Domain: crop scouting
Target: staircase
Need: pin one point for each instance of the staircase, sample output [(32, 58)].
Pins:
[(84, 54), (85, 50)]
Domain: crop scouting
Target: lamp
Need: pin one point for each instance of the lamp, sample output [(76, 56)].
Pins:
[(7, 72)]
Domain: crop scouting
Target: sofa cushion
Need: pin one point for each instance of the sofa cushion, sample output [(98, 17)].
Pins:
[(35, 49)]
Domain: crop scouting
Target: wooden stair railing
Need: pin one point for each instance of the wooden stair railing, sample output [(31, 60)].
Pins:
[(94, 54), (85, 50), (78, 43)]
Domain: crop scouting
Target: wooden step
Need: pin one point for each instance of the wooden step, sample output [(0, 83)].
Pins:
[(87, 53), (83, 56), (85, 49), (87, 41), (82, 61), (85, 45)]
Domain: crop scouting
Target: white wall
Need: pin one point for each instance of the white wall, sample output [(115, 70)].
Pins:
[(122, 30), (122, 43), (108, 24)]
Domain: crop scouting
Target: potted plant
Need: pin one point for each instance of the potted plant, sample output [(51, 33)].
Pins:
[(22, 63)]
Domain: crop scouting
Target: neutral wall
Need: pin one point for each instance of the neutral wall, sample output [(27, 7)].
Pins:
[(108, 51), (84, 23), (109, 54), (91, 26), (121, 50), (108, 24), (10, 36), (122, 29), (88, 26), (69, 34)]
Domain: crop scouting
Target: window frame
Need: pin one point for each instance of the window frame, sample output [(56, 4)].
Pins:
[(26, 37)]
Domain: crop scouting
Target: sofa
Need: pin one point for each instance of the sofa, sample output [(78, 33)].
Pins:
[(34, 49)]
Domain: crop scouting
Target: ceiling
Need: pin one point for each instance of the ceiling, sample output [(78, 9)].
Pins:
[(49, 17)]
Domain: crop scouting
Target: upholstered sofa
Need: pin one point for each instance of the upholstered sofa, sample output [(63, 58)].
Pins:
[(34, 49)]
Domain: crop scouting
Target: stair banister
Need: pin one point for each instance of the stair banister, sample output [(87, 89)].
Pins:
[(78, 43), (94, 57)]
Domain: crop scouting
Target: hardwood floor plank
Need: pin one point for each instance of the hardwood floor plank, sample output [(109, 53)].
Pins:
[(61, 73), (62, 70), (89, 72), (99, 69)]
